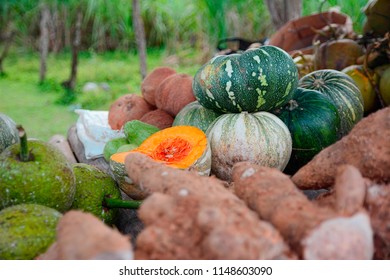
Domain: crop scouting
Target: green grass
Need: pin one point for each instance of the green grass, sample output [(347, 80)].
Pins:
[(37, 107), (36, 111)]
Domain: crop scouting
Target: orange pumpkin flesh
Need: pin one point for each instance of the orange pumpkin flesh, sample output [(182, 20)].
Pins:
[(178, 146)]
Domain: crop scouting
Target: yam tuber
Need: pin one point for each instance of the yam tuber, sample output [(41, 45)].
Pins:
[(304, 225), (377, 202), (174, 93), (188, 216), (367, 147), (351, 194), (82, 236), (151, 82), (126, 108)]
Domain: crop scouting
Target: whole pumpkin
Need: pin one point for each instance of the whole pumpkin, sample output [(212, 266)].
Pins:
[(196, 115), (313, 121), (259, 79), (8, 132), (260, 137), (343, 92)]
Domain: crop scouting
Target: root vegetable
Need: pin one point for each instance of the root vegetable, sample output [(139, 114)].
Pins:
[(158, 118), (126, 108), (82, 236), (350, 190), (341, 238), (304, 225), (174, 93), (367, 147), (152, 81), (378, 205), (188, 216)]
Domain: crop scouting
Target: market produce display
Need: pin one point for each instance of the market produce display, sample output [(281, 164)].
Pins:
[(266, 153)]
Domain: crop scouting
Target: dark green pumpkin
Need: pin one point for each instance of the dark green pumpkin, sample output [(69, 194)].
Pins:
[(313, 121), (196, 115), (8, 132), (343, 92), (259, 79)]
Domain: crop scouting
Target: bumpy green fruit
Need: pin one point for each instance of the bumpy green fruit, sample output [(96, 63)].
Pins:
[(27, 230), (46, 178), (92, 187)]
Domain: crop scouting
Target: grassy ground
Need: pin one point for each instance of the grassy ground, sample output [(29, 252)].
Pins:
[(41, 108)]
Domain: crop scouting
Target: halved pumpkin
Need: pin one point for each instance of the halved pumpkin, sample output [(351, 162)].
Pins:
[(183, 147)]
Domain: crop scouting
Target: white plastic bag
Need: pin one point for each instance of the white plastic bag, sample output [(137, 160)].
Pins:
[(94, 131)]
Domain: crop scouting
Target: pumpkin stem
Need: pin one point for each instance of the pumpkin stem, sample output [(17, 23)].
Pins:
[(119, 203), (24, 153), (292, 105)]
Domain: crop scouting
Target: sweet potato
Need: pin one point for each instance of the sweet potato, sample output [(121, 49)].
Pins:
[(151, 82), (174, 93), (188, 216), (126, 108), (367, 147), (82, 236), (158, 118), (304, 225)]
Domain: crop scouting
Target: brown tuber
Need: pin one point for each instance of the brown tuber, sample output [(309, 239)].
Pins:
[(378, 205), (126, 108), (351, 193), (151, 82), (174, 93), (158, 118), (367, 147), (82, 236), (188, 216), (303, 224)]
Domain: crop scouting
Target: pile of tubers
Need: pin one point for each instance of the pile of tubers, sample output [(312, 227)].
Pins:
[(265, 214), (262, 214)]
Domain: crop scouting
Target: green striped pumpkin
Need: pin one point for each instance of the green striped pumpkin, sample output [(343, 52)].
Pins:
[(343, 92), (261, 138), (196, 115), (8, 133), (259, 79), (313, 121)]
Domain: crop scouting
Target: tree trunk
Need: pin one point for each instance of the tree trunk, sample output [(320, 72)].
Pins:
[(71, 83), (44, 41), (8, 38), (140, 37), (282, 11)]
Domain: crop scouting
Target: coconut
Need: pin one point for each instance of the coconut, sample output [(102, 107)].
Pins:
[(174, 93), (152, 81), (158, 118), (126, 108), (337, 54)]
